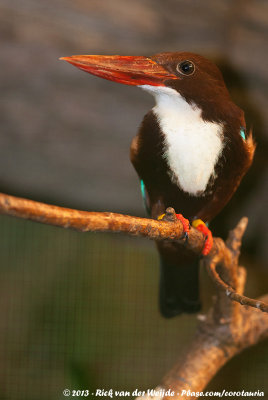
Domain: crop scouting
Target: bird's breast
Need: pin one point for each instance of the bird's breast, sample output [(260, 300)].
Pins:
[(192, 146)]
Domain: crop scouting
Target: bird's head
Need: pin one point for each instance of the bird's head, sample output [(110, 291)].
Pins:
[(193, 77)]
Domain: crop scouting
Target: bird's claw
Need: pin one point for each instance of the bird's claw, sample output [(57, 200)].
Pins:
[(202, 227), (186, 225)]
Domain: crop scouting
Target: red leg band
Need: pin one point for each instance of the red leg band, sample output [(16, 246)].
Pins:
[(209, 238), (185, 223)]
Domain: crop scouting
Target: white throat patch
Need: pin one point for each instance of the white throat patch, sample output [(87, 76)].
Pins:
[(192, 145)]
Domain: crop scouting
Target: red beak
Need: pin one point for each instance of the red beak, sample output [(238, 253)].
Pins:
[(130, 70)]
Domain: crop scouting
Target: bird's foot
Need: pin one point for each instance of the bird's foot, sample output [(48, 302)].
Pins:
[(186, 225), (202, 227), (170, 215)]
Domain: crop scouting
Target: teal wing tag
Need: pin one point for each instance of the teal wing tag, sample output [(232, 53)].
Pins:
[(243, 133), (144, 197)]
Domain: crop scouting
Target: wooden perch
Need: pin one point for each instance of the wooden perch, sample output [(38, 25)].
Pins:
[(98, 221), (215, 342), (157, 230), (224, 331)]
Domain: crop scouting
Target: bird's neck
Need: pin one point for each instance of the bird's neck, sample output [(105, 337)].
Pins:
[(192, 146)]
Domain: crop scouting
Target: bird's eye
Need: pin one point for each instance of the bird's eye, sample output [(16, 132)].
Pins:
[(186, 67)]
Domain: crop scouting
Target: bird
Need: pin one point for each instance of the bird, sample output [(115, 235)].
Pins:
[(190, 153)]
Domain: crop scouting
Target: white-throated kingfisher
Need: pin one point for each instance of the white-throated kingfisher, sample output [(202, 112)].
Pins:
[(191, 152)]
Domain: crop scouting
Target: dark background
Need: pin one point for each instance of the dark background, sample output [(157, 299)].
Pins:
[(80, 310)]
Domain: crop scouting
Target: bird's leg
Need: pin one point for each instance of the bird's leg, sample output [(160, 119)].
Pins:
[(202, 227), (170, 215), (186, 225)]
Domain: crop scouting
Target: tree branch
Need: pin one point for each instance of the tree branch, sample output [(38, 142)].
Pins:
[(212, 346), (169, 229), (100, 221), (226, 259), (224, 331)]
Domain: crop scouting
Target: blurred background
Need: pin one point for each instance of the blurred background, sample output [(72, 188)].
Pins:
[(79, 311)]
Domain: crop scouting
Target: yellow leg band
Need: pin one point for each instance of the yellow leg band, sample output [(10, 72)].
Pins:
[(197, 222)]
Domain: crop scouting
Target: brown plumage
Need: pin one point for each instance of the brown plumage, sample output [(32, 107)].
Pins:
[(199, 83)]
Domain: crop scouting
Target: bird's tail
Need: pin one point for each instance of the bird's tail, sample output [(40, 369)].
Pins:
[(179, 289)]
